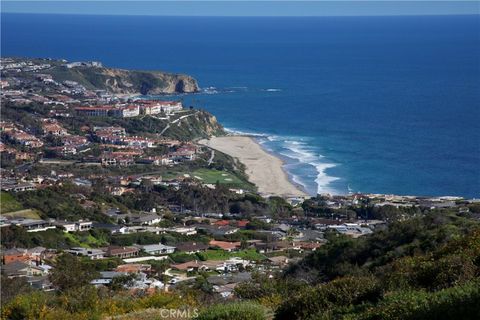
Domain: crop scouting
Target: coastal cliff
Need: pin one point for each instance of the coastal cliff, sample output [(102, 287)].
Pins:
[(143, 82), (95, 76)]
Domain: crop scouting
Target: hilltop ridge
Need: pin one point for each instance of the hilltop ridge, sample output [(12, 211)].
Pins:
[(94, 75)]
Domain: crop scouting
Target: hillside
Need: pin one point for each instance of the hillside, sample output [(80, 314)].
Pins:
[(422, 268), (95, 76)]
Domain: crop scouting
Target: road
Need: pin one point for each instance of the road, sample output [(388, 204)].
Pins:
[(211, 157), (177, 120)]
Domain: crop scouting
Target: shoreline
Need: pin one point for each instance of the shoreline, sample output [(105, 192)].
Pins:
[(262, 168)]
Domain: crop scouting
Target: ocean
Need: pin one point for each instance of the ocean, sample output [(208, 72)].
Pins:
[(352, 104)]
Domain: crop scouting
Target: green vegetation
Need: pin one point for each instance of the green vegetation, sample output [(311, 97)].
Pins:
[(426, 267), (121, 81), (13, 236), (70, 273), (221, 177), (26, 213), (8, 203), (87, 239), (250, 254), (86, 302), (58, 203), (234, 311)]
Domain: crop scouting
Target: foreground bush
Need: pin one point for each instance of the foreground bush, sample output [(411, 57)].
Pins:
[(343, 292), (88, 303), (233, 311), (459, 302)]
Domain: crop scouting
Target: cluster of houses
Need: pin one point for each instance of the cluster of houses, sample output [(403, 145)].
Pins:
[(225, 260), (11, 132), (121, 149), (31, 265), (381, 200), (135, 109), (21, 66), (70, 144)]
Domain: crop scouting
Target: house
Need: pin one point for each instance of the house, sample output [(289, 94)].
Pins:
[(74, 141), (127, 112), (188, 231), (286, 245), (309, 246), (195, 265), (223, 223), (93, 254), (134, 268), (84, 225), (109, 131), (17, 186), (310, 235), (135, 142), (192, 247), (33, 225), (106, 277), (52, 127), (105, 111), (117, 158), (144, 219), (158, 249), (278, 261), (22, 255), (237, 223), (232, 264), (169, 107), (82, 182), (24, 138), (225, 284), (113, 228), (100, 111), (40, 283), (225, 245), (63, 150), (226, 290), (74, 226), (150, 107), (122, 252), (217, 230), (21, 269), (350, 229), (139, 282)]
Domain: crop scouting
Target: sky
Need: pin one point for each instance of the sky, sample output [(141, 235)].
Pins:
[(244, 7)]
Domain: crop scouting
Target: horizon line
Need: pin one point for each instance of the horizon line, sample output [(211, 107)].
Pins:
[(239, 16)]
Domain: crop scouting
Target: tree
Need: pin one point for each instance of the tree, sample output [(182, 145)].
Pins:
[(70, 272), (123, 281), (12, 287)]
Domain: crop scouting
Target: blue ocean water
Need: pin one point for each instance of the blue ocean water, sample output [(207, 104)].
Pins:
[(368, 104)]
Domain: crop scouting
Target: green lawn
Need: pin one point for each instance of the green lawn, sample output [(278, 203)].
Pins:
[(210, 176), (27, 214), (8, 203), (249, 254), (84, 239)]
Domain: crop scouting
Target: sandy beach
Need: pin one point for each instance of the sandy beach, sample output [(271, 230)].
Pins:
[(262, 168)]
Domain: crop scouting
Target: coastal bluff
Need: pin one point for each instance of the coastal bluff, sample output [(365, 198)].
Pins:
[(95, 76)]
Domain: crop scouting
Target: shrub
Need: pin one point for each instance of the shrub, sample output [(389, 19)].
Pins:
[(460, 302), (233, 311), (343, 292)]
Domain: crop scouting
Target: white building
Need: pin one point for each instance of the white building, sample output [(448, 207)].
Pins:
[(74, 226), (93, 254), (158, 249)]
